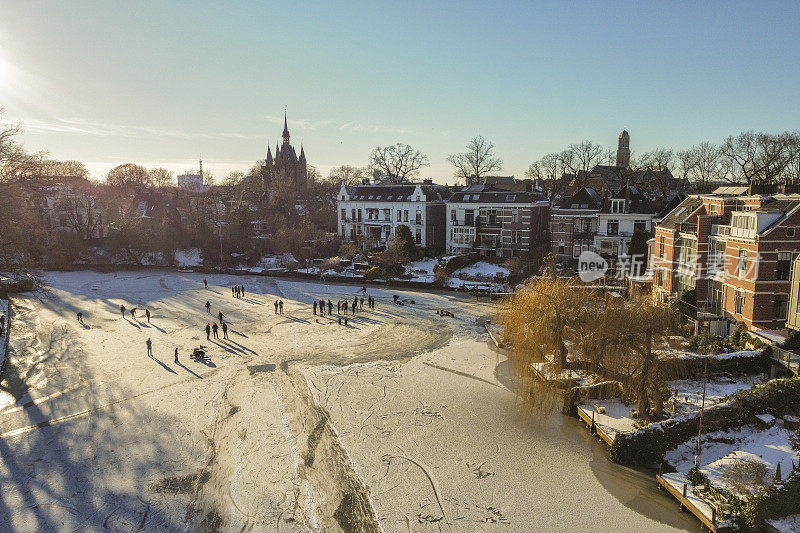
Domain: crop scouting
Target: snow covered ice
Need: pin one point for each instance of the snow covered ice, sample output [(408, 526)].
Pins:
[(400, 421)]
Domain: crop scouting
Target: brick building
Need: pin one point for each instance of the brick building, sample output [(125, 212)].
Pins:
[(734, 249), (497, 223)]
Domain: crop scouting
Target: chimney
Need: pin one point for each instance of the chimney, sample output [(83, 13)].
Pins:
[(429, 181)]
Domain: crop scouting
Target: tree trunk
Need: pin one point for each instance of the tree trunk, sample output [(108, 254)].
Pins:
[(559, 341), (643, 402)]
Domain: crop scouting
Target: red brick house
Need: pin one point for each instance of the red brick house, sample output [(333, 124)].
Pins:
[(735, 250)]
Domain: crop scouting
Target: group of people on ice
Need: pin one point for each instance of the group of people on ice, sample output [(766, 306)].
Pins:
[(122, 309), (342, 305)]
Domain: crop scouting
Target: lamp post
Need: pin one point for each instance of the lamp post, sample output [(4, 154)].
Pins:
[(702, 408)]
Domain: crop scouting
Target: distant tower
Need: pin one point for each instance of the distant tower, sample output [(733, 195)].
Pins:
[(285, 166), (285, 130), (624, 150), (201, 168)]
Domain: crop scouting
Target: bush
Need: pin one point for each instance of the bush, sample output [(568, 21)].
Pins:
[(706, 343)]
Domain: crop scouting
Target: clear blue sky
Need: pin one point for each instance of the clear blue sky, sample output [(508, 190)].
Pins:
[(157, 82)]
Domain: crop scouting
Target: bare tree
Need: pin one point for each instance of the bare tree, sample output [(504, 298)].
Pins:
[(702, 164), (348, 175), (52, 167), (399, 162), (656, 160), (233, 178), (129, 174), (15, 162), (161, 177), (477, 162), (550, 172), (582, 156), (759, 158), (84, 213)]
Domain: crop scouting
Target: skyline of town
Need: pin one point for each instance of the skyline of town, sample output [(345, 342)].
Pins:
[(225, 79)]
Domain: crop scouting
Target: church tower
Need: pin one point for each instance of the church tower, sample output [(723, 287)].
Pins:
[(285, 167), (624, 150)]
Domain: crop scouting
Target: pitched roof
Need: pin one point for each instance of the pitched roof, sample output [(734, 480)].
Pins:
[(584, 198), (494, 196), (682, 212), (397, 192), (638, 202)]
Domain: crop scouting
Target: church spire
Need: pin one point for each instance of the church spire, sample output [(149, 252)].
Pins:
[(269, 155), (285, 129), (302, 153)]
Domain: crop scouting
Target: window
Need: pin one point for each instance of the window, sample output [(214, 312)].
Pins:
[(742, 262), (343, 231), (738, 301), (418, 236), (618, 206), (516, 237), (344, 214), (353, 213), (515, 215), (784, 265), (660, 277), (661, 247), (418, 217), (780, 306), (639, 226), (790, 232), (613, 227), (399, 216), (561, 248), (713, 209), (453, 215), (715, 298), (469, 217), (359, 215), (405, 215)]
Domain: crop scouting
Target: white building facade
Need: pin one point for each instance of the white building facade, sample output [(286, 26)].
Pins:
[(369, 214)]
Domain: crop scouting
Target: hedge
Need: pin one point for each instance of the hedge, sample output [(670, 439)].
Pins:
[(647, 446), (739, 365)]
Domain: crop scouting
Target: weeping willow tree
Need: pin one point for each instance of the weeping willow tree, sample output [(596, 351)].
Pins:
[(539, 322), (631, 333)]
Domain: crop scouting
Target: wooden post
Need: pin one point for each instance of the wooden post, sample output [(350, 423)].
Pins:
[(684, 490)]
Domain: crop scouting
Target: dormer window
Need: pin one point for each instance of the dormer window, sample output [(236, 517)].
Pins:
[(617, 206)]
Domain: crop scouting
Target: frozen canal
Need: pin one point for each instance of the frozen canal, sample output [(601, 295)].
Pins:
[(395, 423)]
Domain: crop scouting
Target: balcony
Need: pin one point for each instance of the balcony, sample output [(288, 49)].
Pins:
[(686, 227), (720, 229)]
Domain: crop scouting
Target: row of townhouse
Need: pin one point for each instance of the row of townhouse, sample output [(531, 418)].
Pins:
[(485, 219), (735, 250), (586, 220)]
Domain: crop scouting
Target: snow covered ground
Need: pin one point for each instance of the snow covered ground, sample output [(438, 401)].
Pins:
[(481, 270), (790, 524), (687, 397), (396, 422), (422, 270), (188, 258), (722, 451)]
